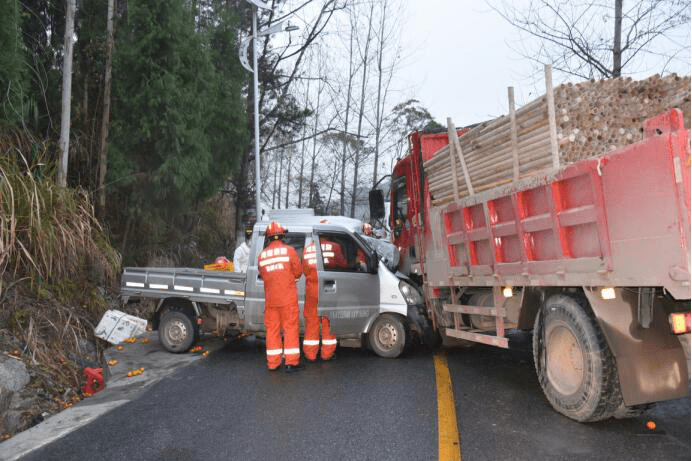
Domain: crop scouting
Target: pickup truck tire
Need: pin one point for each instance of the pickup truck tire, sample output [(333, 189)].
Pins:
[(176, 331), (387, 336), (574, 364)]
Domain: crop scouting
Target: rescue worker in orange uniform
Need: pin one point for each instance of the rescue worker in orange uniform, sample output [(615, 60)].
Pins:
[(332, 257), (279, 266)]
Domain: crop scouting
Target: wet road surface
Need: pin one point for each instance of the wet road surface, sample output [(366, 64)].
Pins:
[(358, 407)]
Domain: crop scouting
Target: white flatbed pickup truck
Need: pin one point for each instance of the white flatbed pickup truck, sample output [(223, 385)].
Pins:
[(368, 303)]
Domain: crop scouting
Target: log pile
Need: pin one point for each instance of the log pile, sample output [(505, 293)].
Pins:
[(591, 119), (594, 118)]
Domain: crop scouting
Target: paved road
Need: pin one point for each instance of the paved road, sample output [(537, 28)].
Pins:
[(358, 407), (503, 414)]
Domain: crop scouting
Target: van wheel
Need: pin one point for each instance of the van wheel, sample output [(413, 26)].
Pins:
[(574, 364), (176, 331), (387, 336)]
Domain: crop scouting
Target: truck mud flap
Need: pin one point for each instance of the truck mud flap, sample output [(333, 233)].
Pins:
[(652, 364)]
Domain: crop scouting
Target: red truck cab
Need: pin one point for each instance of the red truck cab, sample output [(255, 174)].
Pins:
[(410, 200)]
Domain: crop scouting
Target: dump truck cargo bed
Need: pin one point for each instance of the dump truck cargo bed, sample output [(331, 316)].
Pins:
[(622, 219)]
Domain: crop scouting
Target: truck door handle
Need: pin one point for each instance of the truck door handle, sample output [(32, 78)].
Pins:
[(329, 286)]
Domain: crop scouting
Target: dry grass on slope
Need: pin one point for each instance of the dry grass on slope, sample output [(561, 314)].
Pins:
[(56, 264)]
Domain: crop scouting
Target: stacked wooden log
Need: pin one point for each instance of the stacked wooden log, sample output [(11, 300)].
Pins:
[(594, 118), (591, 119)]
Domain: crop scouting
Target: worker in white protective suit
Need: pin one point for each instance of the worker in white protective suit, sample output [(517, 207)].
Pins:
[(241, 257)]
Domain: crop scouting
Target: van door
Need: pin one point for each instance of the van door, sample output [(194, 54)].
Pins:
[(349, 294)]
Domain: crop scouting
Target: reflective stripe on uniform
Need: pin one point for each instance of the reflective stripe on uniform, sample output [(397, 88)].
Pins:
[(329, 342), (274, 252), (274, 351), (291, 351), (278, 259), (311, 342)]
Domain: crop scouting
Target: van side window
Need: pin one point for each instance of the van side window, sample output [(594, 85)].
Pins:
[(341, 253)]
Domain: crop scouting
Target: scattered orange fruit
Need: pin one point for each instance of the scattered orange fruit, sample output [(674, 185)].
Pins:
[(205, 353), (119, 348), (145, 340), (650, 425), (86, 395), (112, 362)]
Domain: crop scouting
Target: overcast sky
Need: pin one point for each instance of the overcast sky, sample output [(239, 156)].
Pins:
[(459, 61), (456, 60)]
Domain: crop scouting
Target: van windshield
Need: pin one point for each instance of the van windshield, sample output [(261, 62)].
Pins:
[(386, 250)]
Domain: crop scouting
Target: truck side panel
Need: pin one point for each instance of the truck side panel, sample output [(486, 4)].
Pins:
[(619, 220)]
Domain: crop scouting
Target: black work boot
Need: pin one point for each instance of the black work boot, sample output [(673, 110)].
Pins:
[(293, 368)]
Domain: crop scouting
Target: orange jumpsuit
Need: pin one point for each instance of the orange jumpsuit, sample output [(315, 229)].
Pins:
[(332, 257), (279, 267)]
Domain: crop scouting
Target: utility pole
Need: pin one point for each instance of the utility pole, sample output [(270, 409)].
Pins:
[(617, 36)]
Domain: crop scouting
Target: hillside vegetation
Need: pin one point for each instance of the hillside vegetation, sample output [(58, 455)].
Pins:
[(57, 269)]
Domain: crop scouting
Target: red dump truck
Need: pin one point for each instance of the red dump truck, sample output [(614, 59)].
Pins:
[(593, 256)]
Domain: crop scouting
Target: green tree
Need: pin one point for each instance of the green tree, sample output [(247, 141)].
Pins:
[(13, 69), (43, 31), (178, 125), (409, 116)]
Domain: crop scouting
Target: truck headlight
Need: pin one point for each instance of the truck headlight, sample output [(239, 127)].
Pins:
[(410, 293)]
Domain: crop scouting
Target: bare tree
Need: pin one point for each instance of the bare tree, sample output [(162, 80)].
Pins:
[(347, 113), (387, 43), (288, 174), (64, 141), (105, 118), (360, 151), (600, 40), (301, 169)]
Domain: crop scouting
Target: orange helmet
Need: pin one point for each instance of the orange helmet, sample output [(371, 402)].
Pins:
[(275, 230)]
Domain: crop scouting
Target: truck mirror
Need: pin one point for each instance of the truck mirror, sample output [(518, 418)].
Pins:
[(376, 199)]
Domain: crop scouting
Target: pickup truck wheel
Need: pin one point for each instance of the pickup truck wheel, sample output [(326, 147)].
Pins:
[(574, 364), (176, 331), (387, 336)]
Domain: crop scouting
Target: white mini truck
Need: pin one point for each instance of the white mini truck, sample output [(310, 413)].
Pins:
[(368, 303)]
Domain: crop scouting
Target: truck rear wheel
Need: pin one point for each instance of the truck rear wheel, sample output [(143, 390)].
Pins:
[(387, 336), (176, 331), (574, 364)]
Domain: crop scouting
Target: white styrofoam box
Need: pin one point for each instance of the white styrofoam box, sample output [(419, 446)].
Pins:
[(116, 326)]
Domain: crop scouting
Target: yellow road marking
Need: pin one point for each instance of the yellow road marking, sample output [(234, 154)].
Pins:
[(449, 447)]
